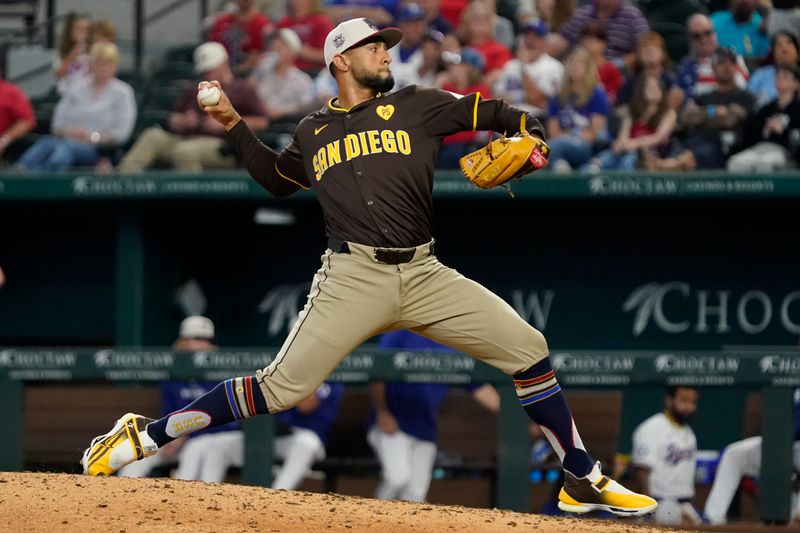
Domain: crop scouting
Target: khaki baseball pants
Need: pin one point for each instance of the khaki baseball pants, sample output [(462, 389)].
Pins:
[(354, 297)]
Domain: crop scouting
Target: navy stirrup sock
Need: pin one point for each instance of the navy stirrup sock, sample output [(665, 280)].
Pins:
[(232, 399), (541, 396)]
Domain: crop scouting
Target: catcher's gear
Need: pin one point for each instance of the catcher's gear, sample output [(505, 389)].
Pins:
[(505, 158)]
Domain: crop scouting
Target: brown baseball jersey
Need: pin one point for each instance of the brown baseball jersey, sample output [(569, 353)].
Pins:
[(372, 166)]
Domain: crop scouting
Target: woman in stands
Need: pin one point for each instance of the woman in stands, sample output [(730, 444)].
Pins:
[(651, 58), (95, 114), (578, 114), (477, 31), (648, 126), (72, 63)]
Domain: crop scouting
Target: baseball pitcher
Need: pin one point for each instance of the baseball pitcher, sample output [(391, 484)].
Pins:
[(368, 156)]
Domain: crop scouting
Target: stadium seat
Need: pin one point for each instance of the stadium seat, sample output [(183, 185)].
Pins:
[(173, 72), (180, 53), (162, 97), (675, 37), (133, 78)]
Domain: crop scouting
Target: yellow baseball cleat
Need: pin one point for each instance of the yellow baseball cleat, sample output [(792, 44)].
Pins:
[(125, 443), (596, 492)]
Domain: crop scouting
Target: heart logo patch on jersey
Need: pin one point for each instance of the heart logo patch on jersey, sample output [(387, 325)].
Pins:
[(385, 111)]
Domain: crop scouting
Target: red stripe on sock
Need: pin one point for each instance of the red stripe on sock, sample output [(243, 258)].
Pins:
[(533, 381), (248, 387)]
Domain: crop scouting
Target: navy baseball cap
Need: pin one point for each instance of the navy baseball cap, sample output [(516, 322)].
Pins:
[(536, 26), (410, 13)]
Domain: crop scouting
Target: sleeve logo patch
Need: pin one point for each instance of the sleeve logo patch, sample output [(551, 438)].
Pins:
[(385, 111)]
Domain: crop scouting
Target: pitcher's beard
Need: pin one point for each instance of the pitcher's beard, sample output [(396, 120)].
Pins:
[(376, 82)]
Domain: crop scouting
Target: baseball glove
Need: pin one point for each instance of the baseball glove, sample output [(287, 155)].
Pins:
[(505, 158)]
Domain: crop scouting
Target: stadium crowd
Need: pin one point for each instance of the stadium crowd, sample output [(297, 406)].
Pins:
[(693, 84)]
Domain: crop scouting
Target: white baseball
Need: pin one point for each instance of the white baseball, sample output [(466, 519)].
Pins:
[(208, 95)]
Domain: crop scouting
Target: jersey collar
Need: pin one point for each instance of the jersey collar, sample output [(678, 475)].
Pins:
[(333, 104)]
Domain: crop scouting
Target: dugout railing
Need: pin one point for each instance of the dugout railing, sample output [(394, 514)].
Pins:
[(774, 372)]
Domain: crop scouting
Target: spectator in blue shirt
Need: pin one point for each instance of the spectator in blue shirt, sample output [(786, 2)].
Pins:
[(740, 28), (784, 51), (578, 114), (404, 424)]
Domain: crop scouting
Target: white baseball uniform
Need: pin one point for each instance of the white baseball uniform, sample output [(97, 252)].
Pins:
[(743, 458), (669, 451), (208, 457), (740, 458), (406, 465)]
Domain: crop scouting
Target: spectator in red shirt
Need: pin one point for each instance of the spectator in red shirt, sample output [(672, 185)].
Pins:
[(16, 115), (464, 77), (308, 21), (242, 34), (477, 31), (451, 10), (594, 39)]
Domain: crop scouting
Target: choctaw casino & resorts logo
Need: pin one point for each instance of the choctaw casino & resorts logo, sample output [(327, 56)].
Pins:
[(677, 307)]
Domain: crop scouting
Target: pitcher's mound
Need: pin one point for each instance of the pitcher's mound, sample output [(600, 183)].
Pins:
[(63, 502)]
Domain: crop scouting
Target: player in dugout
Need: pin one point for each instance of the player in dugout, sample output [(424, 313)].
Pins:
[(369, 157)]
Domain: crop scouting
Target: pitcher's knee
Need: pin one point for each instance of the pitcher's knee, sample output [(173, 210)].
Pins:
[(280, 395), (540, 344), (536, 348)]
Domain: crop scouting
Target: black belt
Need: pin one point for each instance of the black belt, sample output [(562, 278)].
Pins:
[(390, 256)]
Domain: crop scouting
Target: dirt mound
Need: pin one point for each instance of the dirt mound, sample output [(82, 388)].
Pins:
[(64, 502)]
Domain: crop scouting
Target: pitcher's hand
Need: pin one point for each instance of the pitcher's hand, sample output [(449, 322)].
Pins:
[(223, 112)]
